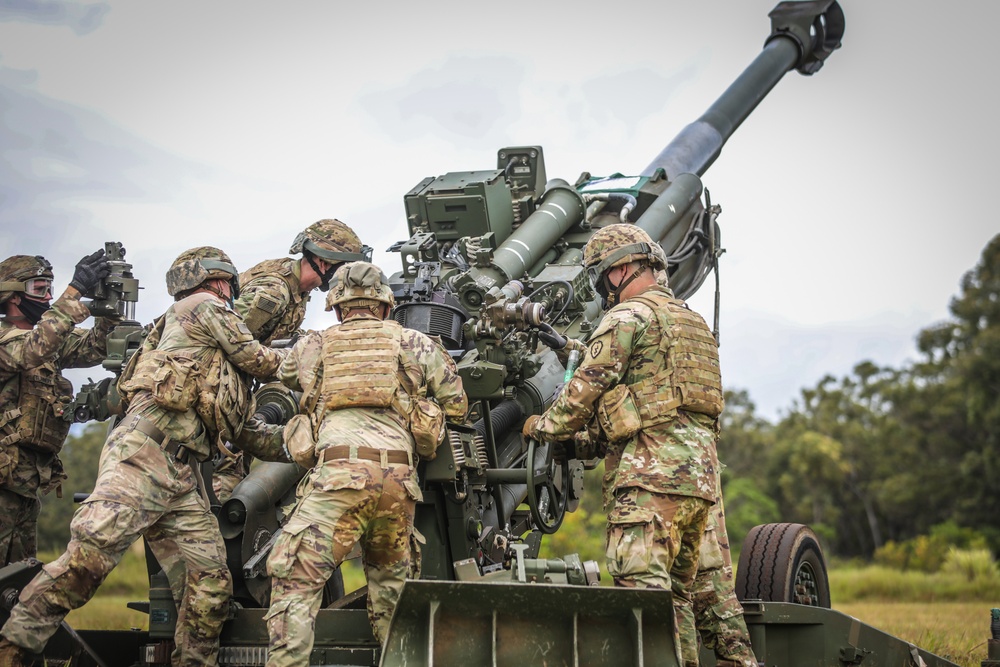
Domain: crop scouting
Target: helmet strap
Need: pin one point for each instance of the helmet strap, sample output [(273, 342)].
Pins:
[(614, 292), (209, 286), (324, 276)]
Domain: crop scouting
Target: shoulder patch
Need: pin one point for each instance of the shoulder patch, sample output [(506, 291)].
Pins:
[(595, 348)]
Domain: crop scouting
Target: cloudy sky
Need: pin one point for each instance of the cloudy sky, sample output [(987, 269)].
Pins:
[(853, 200)]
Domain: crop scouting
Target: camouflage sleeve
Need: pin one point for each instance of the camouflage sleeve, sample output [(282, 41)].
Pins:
[(261, 300), (87, 347), (601, 368), (441, 376), (303, 362), (47, 338), (263, 441), (240, 347)]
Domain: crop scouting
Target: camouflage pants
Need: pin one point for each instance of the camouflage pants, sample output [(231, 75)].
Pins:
[(139, 491), (718, 614), (654, 541), (342, 503), (18, 526), (225, 478)]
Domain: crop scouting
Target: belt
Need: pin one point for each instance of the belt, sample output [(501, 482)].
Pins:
[(354, 453), (150, 430)]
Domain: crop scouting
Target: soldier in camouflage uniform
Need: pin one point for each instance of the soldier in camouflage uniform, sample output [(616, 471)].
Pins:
[(36, 342), (718, 614), (273, 298), (360, 380), (186, 394), (651, 377)]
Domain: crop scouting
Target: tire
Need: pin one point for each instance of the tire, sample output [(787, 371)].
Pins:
[(783, 562)]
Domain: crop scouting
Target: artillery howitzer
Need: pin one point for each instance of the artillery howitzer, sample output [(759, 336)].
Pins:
[(492, 260)]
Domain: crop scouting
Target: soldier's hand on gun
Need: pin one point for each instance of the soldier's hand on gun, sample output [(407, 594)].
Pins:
[(551, 337), (90, 271), (529, 425)]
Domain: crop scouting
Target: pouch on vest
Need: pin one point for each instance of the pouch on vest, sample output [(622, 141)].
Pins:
[(426, 426), (298, 437), (43, 394), (618, 415), (150, 339), (172, 378)]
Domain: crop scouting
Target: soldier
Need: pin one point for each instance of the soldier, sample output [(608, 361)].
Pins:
[(651, 377), (361, 383), (718, 614), (186, 393), (273, 298), (36, 342)]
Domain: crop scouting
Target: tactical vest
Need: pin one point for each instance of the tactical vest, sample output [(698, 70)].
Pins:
[(360, 361), (690, 378), (267, 318), (42, 395), (215, 388)]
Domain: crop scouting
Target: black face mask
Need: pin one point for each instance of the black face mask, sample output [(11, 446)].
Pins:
[(324, 285), (32, 309)]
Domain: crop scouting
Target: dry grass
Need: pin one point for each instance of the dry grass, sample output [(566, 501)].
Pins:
[(956, 631)]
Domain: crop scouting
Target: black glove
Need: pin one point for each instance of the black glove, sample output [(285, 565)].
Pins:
[(89, 272), (551, 337)]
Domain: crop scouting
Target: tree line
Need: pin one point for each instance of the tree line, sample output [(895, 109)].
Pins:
[(885, 455), (878, 458)]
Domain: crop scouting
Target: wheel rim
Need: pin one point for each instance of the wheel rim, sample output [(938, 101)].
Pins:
[(804, 588)]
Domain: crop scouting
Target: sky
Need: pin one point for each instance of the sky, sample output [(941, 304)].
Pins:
[(852, 200)]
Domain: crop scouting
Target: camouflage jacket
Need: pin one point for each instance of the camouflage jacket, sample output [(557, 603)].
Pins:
[(271, 302), (677, 456), (50, 346), (198, 326), (422, 361)]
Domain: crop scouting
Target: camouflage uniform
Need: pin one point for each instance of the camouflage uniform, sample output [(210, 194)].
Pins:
[(364, 487), (273, 305), (147, 479), (661, 462), (33, 394), (718, 614)]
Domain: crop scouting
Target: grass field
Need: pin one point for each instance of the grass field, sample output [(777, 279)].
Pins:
[(956, 631)]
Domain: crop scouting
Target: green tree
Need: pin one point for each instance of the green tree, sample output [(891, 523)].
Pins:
[(744, 438), (962, 370), (80, 456)]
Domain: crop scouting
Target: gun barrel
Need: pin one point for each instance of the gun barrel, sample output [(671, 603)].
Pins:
[(803, 34)]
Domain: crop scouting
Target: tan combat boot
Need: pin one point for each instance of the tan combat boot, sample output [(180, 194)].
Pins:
[(12, 655)]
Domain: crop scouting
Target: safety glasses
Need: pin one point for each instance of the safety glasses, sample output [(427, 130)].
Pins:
[(38, 287)]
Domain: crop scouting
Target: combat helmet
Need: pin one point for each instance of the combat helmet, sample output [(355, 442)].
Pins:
[(195, 266), (617, 244), (31, 274), (360, 284), (331, 240)]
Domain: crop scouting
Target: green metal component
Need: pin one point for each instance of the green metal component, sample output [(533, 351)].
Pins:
[(466, 623), (456, 204), (115, 296), (784, 633)]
